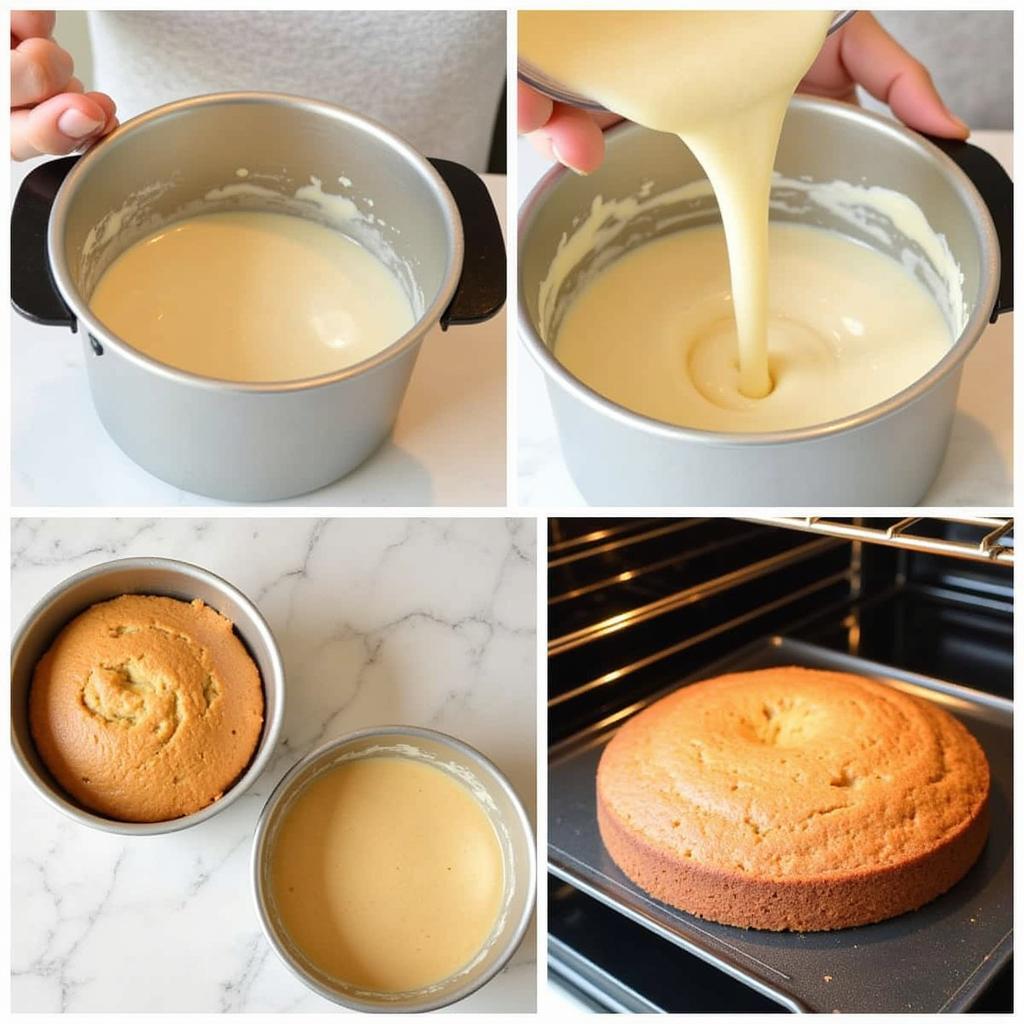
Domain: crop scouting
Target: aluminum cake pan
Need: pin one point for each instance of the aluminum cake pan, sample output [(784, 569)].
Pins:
[(936, 959)]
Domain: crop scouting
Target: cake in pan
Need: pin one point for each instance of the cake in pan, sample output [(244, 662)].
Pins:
[(146, 708)]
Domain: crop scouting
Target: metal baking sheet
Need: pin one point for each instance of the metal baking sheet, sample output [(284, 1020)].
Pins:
[(936, 959)]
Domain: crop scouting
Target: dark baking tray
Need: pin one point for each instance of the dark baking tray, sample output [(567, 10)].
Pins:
[(936, 959)]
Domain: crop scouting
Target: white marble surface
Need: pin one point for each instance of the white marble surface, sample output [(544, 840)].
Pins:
[(448, 447), (978, 469), (428, 622)]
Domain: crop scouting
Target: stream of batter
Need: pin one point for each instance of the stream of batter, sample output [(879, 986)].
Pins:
[(740, 347), (721, 81), (252, 296)]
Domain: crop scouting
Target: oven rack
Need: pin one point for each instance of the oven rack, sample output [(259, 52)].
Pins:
[(993, 541), (581, 682), (690, 595)]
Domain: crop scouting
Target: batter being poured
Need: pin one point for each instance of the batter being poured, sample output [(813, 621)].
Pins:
[(252, 296), (722, 81)]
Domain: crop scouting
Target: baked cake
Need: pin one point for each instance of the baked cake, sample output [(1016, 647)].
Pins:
[(146, 708), (791, 799)]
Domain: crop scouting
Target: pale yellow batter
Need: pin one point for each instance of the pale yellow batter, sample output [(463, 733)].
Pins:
[(721, 81), (252, 296), (847, 328), (388, 873)]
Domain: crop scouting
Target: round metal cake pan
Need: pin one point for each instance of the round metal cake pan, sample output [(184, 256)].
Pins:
[(152, 576), (512, 827)]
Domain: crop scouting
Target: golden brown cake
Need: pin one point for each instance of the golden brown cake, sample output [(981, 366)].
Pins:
[(791, 799), (146, 708)]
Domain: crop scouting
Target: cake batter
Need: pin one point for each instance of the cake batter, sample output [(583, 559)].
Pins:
[(388, 874), (847, 328), (721, 81), (252, 296)]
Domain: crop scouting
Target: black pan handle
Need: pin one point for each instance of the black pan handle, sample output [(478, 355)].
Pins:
[(481, 289), (996, 188), (33, 291)]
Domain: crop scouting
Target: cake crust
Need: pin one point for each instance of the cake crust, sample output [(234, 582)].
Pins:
[(146, 708), (791, 799)]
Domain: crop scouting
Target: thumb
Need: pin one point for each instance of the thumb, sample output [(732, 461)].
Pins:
[(61, 124)]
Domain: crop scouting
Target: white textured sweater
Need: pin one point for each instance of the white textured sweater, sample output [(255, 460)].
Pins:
[(433, 77)]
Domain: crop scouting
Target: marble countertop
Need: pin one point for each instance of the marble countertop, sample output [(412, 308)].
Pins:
[(447, 449), (426, 622), (978, 469)]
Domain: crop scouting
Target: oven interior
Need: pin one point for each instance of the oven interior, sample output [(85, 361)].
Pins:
[(636, 605)]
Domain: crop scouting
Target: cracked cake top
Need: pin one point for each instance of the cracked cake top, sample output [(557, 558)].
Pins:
[(790, 773), (146, 708)]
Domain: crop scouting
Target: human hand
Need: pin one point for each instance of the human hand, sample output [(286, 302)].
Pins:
[(49, 111), (859, 53), (567, 134), (863, 53)]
